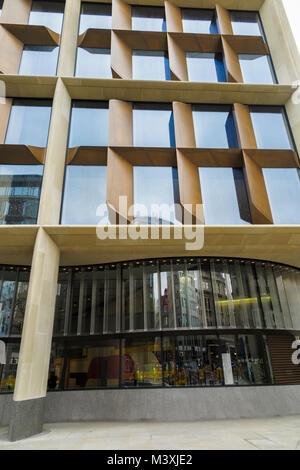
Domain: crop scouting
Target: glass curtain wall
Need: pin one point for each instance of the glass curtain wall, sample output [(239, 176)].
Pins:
[(175, 293), (160, 361)]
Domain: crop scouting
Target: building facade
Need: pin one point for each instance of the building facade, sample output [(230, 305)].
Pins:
[(150, 211)]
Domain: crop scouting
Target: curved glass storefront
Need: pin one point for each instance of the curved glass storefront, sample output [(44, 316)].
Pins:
[(179, 322), (178, 293)]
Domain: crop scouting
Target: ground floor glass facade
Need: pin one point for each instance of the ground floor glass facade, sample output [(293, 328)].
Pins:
[(160, 361)]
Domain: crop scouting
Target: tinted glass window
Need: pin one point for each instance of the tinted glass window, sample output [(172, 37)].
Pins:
[(256, 69), (154, 186), (20, 187), (150, 65), (153, 125), (148, 18), (270, 127), (49, 14), (224, 196), (199, 21), (85, 190), (95, 15), (39, 60), (205, 67), (93, 63), (283, 186), (246, 23), (89, 124), (29, 123), (214, 127)]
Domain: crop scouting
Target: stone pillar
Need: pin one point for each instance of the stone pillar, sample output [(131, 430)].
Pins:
[(32, 374)]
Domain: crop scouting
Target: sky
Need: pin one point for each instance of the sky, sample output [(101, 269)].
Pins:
[(293, 11)]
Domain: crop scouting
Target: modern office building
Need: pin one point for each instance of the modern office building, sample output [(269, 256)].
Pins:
[(150, 211)]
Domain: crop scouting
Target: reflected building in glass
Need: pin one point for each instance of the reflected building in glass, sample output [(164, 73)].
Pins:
[(131, 133)]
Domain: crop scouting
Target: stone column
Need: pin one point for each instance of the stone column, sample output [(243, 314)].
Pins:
[(32, 374)]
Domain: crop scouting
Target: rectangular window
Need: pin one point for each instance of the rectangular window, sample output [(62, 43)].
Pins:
[(39, 60), (271, 128), (283, 187), (47, 13), (205, 67), (29, 122), (199, 21), (93, 62), (150, 65), (89, 124), (85, 191), (214, 127), (20, 187), (224, 196), (256, 69), (95, 16), (148, 18), (246, 23), (155, 189), (153, 125)]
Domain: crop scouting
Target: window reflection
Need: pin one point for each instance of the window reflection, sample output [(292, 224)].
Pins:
[(20, 187), (283, 187), (14, 287), (39, 60), (95, 15), (150, 65), (84, 200), (224, 195), (8, 371), (205, 67), (246, 23), (93, 62), (156, 361), (153, 125), (146, 18), (89, 124), (141, 363), (155, 189), (199, 21), (256, 69), (29, 122), (47, 13), (191, 361), (271, 128), (214, 127), (90, 366)]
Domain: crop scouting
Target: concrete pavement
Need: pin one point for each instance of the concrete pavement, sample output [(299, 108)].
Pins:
[(278, 433)]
